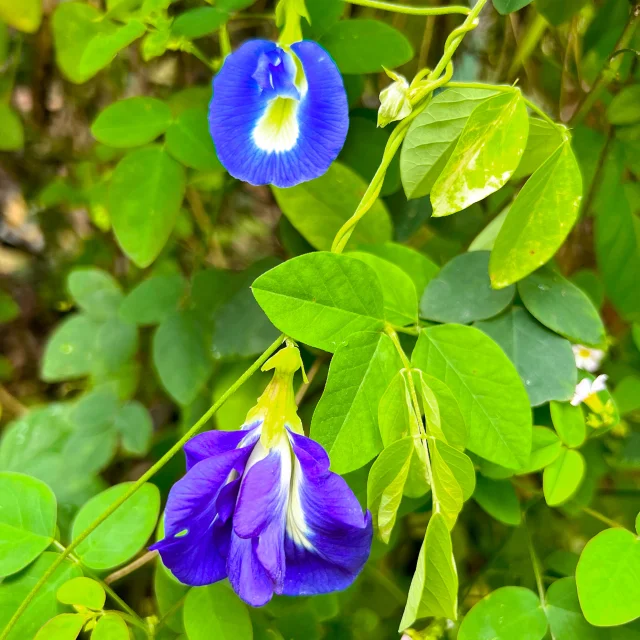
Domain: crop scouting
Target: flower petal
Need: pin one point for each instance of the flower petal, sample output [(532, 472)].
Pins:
[(194, 545), (280, 141), (247, 576), (328, 536), (211, 443)]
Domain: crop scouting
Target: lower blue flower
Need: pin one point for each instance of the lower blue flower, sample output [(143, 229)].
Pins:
[(278, 116), (272, 520)]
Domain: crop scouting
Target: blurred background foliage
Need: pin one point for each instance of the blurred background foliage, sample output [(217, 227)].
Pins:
[(113, 344)]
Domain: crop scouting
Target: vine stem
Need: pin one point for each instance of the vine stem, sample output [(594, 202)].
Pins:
[(434, 80), (411, 10), (131, 567), (600, 516), (610, 70), (140, 482), (535, 561)]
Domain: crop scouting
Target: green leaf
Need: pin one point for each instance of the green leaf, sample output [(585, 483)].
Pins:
[(508, 613), (617, 243), (11, 129), (131, 122), (462, 293), (145, 195), (565, 616), (398, 290), (445, 488), (434, 587), (27, 520), (134, 424), (69, 351), (323, 15), (153, 300), (181, 355), (317, 209), (563, 477), (543, 359), (461, 467), (345, 421), (627, 394), (487, 387), (486, 154), (66, 626), (86, 41), (415, 264), (451, 422), (485, 240), (394, 410), (84, 592), (386, 483), (9, 309), (498, 498), (545, 448), (624, 106), (432, 137), (366, 46), (189, 141), (44, 605), (199, 22), (25, 15), (216, 612), (539, 219), (562, 307), (607, 578), (558, 12), (363, 150), (111, 627), (116, 343), (544, 138), (130, 526), (569, 423), (296, 298), (504, 7), (95, 291), (169, 592)]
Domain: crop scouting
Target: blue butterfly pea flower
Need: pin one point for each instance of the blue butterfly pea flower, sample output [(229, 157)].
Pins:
[(261, 507), (279, 115)]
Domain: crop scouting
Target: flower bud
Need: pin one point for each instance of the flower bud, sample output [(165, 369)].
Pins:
[(394, 100)]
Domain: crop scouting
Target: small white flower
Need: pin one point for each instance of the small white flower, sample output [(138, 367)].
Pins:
[(394, 100), (586, 358), (586, 388)]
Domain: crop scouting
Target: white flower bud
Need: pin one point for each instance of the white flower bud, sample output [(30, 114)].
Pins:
[(394, 100)]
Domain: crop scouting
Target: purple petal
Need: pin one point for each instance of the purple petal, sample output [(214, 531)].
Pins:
[(212, 443), (247, 576)]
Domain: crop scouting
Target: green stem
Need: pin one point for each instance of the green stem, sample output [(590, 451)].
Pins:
[(600, 516), (135, 618), (505, 88), (528, 44), (410, 10), (139, 482), (433, 81), (610, 70), (537, 567), (225, 41)]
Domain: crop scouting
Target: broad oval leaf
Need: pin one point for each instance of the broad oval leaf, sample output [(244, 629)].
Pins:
[(25, 15), (544, 138), (366, 46), (27, 520), (394, 410), (343, 422), (462, 293), (543, 359), (607, 578), (545, 448), (508, 613), (145, 194), (130, 525), (560, 305), (199, 22), (111, 627), (432, 137), (153, 299), (216, 612), (132, 122), (434, 587), (135, 426), (189, 141), (539, 219), (569, 423), (318, 208), (96, 292), (563, 477), (321, 298), (510, 6), (624, 106), (84, 592), (487, 387), (66, 626), (181, 355), (498, 498), (398, 291), (486, 154)]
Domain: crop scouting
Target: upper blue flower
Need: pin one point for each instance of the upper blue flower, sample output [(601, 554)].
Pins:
[(261, 507), (278, 115)]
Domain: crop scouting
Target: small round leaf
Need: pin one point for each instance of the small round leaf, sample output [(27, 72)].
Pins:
[(84, 592)]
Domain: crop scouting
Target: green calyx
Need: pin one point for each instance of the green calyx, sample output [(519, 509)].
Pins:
[(289, 14), (276, 406)]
